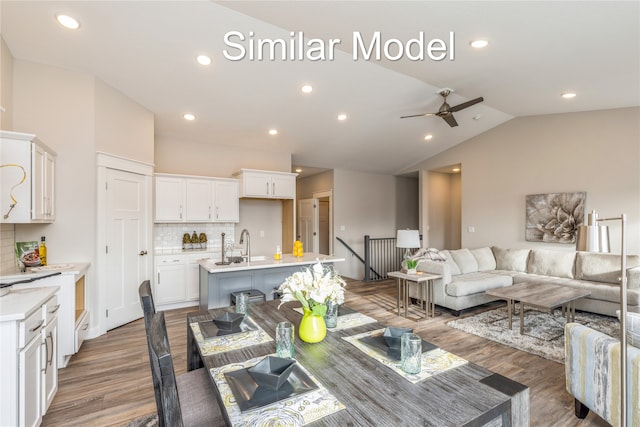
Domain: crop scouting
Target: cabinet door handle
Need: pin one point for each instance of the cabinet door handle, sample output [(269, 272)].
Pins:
[(143, 253), (273, 188), (56, 308), (267, 187), (38, 326), (158, 277)]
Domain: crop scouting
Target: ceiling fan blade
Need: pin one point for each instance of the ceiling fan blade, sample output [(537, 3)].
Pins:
[(450, 120), (418, 115), (466, 104)]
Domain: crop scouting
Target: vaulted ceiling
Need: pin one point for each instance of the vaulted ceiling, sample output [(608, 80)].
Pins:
[(147, 49)]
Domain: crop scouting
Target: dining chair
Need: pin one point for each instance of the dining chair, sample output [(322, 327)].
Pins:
[(188, 399), (149, 309)]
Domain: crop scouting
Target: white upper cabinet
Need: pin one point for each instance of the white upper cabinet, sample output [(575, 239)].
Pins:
[(266, 184), (170, 199), (196, 199), (27, 179)]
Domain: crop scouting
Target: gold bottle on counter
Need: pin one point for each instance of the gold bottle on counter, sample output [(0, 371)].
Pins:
[(42, 250)]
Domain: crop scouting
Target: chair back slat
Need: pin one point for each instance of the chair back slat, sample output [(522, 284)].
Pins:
[(149, 309), (163, 372)]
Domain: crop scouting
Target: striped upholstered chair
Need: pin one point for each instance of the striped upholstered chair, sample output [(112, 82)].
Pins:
[(592, 370)]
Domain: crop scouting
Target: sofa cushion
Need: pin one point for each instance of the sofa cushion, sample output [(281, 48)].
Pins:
[(551, 263), (465, 260), (511, 259), (633, 328), (455, 270), (599, 267), (485, 259), (474, 283)]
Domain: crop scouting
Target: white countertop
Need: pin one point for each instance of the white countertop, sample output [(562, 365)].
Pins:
[(18, 304), (77, 268), (286, 261)]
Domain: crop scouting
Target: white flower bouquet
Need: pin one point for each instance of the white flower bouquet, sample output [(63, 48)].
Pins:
[(314, 287)]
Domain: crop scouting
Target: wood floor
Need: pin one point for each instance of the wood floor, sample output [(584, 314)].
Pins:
[(108, 382)]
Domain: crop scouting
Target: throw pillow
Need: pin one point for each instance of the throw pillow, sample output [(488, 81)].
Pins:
[(511, 259), (485, 259), (465, 260), (455, 270)]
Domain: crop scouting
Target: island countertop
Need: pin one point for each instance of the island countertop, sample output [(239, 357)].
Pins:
[(259, 263)]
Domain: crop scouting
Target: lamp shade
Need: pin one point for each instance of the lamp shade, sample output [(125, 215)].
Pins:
[(593, 238), (408, 239)]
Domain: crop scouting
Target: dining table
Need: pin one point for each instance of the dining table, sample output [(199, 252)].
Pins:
[(352, 382)]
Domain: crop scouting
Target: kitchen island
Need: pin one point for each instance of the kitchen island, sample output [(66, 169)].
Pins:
[(217, 282)]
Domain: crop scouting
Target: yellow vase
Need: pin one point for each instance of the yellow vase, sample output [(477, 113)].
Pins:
[(312, 328)]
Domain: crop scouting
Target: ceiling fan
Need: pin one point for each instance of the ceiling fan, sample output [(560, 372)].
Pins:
[(446, 111)]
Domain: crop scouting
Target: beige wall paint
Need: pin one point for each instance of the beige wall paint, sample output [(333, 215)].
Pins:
[(596, 151), (364, 203), (258, 215), (406, 203), (6, 86), (122, 127), (175, 155), (318, 183)]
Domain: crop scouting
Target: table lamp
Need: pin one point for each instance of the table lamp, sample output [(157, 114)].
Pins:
[(407, 239), (595, 238)]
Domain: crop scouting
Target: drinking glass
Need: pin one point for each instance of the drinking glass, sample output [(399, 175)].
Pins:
[(411, 353), (284, 340), (242, 304), (331, 317)]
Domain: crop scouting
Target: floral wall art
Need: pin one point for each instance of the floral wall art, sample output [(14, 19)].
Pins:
[(554, 217)]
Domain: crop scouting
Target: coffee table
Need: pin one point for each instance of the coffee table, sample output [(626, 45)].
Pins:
[(547, 296)]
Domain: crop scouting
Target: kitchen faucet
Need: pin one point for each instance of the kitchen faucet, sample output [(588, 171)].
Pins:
[(248, 247)]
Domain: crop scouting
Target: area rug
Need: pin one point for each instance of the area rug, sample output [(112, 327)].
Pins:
[(543, 332)]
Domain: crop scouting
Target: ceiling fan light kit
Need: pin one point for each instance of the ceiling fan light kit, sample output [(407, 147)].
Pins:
[(446, 111)]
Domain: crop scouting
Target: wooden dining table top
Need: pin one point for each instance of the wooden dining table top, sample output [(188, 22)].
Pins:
[(372, 393)]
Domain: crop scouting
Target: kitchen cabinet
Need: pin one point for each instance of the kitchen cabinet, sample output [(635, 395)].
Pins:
[(196, 199), (26, 318), (27, 187), (73, 318), (178, 279), (170, 199), (266, 184), (170, 280)]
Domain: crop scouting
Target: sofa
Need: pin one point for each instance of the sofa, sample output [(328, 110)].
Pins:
[(468, 273), (592, 371)]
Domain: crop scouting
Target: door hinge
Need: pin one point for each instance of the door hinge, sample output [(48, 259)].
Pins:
[(106, 185), (107, 312), (106, 249)]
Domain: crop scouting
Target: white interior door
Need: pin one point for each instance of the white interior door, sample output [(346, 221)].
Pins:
[(308, 221), (127, 261)]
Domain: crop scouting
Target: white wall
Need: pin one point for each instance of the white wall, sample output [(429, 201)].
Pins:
[(318, 183), (122, 127), (6, 86), (407, 203), (596, 151), (364, 203)]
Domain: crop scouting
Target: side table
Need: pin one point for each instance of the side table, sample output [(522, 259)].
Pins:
[(425, 284)]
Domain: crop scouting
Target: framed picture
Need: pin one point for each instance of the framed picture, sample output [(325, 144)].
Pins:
[(554, 217)]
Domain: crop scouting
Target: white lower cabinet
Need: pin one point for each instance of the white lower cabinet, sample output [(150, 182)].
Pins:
[(178, 278), (28, 360)]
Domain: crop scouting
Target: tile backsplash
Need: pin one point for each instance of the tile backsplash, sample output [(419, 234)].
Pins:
[(168, 237), (7, 254)]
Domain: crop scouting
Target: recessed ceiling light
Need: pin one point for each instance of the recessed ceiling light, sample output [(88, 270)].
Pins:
[(342, 117), (68, 22), (298, 170), (306, 89), (273, 131), (477, 117), (479, 44), (568, 95), (203, 60), (428, 137), (189, 116)]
